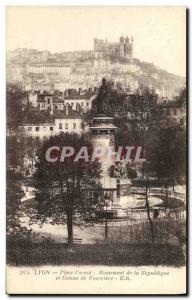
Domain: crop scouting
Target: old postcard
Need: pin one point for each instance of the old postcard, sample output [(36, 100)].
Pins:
[(96, 150)]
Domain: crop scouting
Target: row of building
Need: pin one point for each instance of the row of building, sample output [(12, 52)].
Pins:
[(86, 68), (73, 69), (65, 101), (75, 124), (67, 114), (72, 123), (60, 76)]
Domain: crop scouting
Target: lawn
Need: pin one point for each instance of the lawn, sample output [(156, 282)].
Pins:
[(99, 254)]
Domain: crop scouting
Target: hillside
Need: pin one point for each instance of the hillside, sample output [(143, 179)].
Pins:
[(147, 74), (32, 67)]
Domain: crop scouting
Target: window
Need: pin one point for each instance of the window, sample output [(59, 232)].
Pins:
[(36, 128), (48, 101), (51, 128), (74, 125), (66, 125), (29, 128), (175, 111), (60, 126)]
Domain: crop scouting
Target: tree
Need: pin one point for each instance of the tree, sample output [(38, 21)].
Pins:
[(67, 192), (19, 146), (14, 229), (15, 153), (167, 155), (31, 147), (14, 99), (146, 169), (181, 97), (148, 211), (14, 194)]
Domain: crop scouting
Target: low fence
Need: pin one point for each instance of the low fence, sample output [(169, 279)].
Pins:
[(170, 231), (137, 216), (169, 193), (160, 192), (169, 226)]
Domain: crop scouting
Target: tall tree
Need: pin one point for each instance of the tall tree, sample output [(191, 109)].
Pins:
[(14, 195), (67, 192), (15, 153), (14, 210), (19, 146), (14, 99), (167, 155), (181, 97)]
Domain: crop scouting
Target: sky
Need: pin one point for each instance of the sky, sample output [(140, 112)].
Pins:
[(159, 32)]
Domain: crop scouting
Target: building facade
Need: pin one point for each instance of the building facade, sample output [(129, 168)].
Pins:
[(68, 124)]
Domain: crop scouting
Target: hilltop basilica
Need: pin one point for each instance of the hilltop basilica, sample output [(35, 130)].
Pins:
[(121, 49)]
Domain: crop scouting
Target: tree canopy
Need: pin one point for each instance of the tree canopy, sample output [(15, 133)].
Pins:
[(14, 99), (67, 192)]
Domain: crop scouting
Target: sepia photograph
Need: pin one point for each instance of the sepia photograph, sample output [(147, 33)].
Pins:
[(96, 150)]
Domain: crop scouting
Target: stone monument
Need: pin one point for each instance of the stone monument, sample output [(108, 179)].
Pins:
[(103, 133)]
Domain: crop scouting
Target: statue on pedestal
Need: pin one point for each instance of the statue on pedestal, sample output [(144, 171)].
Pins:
[(102, 96)]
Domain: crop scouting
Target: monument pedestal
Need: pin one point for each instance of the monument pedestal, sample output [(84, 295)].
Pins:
[(103, 131)]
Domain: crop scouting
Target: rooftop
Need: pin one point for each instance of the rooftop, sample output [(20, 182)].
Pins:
[(72, 114), (86, 96)]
